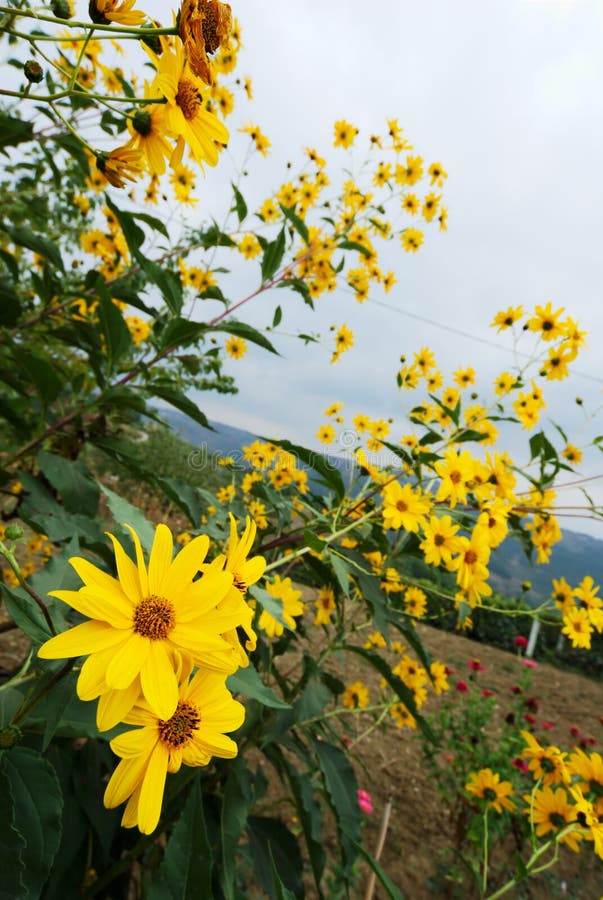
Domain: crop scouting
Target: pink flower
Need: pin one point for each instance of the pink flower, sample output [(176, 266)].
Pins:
[(487, 693), (365, 801), (547, 725), (462, 686), (520, 764), (574, 731), (530, 663), (520, 641), (530, 719)]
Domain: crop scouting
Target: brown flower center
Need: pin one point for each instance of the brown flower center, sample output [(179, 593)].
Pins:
[(439, 540), (188, 98), (470, 557), (401, 505), (154, 618), (456, 477), (179, 729)]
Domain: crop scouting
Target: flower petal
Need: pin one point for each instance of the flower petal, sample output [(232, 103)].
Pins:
[(135, 742), (114, 706), (160, 560), (127, 662), (91, 681), (125, 779), (159, 683), (127, 572), (203, 595), (186, 565), (142, 569), (89, 637), (151, 792)]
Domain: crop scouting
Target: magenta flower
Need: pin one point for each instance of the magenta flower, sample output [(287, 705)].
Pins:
[(530, 663), (365, 801), (520, 641), (462, 686)]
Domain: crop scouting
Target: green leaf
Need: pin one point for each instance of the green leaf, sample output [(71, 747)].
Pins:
[(236, 803), (273, 255), (240, 205), (132, 232), (341, 569), (300, 286), (112, 325), (184, 496), (12, 844), (278, 315), (124, 513), (248, 682), (273, 845), (10, 701), (298, 223), (392, 891), (341, 785), (42, 375), (23, 237), (14, 131), (27, 614), (10, 304), (168, 282), (180, 332), (312, 541), (272, 605), (180, 401), (248, 332), (354, 245), (72, 481), (185, 871), (37, 812), (318, 462), (281, 892), (401, 689)]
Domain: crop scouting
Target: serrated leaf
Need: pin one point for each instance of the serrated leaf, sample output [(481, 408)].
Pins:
[(273, 845), (72, 481), (38, 808), (12, 844), (247, 681), (185, 871), (26, 614), (124, 513)]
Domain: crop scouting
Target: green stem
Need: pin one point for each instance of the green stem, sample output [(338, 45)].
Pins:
[(485, 869), (70, 23), (11, 559), (76, 68), (27, 708)]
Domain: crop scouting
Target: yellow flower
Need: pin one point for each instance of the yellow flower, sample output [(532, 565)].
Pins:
[(487, 785), (411, 239), (262, 143), (326, 434), (249, 246), (440, 540), (507, 318), (282, 589), (325, 604), (344, 134), (235, 347), (145, 619), (545, 321), (194, 733), (404, 507), (355, 696), (139, 329), (550, 810), (185, 115), (103, 12), (147, 127), (204, 26)]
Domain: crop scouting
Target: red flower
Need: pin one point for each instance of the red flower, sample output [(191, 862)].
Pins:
[(462, 686), (365, 801), (487, 693), (547, 725), (520, 641), (574, 731), (476, 665), (520, 764), (530, 719)]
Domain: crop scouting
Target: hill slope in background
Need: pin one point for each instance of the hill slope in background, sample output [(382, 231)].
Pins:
[(574, 557)]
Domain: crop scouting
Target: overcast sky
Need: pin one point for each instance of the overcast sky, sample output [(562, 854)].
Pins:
[(507, 95)]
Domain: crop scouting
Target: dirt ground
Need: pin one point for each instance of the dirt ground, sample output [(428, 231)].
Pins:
[(419, 826), (390, 766)]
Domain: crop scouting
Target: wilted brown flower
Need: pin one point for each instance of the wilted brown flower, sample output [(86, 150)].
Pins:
[(204, 25), (120, 165)]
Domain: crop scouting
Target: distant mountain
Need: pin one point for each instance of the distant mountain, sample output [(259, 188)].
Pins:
[(574, 557)]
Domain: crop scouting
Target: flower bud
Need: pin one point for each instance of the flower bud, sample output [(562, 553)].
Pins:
[(61, 9), (33, 71), (14, 532)]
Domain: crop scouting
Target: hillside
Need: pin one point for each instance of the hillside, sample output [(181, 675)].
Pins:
[(574, 557)]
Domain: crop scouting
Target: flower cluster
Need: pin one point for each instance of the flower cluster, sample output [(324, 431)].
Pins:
[(160, 641)]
